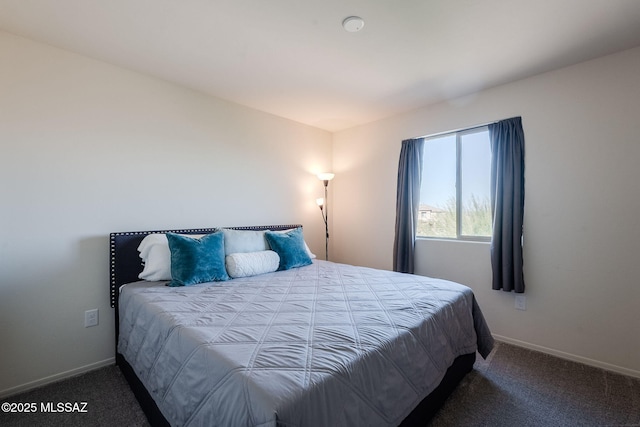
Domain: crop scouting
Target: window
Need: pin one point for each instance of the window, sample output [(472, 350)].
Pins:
[(455, 195)]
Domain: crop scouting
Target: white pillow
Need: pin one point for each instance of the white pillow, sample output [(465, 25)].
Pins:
[(156, 256), (244, 264), (236, 241)]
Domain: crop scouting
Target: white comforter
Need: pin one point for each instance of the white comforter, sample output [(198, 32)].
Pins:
[(323, 345)]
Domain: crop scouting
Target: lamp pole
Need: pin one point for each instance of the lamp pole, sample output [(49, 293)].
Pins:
[(326, 222), (324, 210)]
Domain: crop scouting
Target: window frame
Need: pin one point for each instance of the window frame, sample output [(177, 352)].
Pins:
[(459, 236)]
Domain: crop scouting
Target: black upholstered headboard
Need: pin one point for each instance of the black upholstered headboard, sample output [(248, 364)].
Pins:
[(125, 263)]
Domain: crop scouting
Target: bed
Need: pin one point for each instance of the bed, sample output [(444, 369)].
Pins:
[(313, 345)]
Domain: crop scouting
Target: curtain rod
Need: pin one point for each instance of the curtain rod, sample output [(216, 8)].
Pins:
[(433, 135), (459, 129)]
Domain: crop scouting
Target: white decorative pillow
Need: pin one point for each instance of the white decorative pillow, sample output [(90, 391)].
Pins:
[(237, 241), (244, 264), (156, 256)]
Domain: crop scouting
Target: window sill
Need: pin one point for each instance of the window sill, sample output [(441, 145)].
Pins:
[(446, 239)]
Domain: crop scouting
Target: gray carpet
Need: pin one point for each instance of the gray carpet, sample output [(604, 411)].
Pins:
[(520, 387), (514, 387), (110, 402)]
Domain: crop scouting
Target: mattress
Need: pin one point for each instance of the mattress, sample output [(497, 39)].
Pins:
[(325, 344)]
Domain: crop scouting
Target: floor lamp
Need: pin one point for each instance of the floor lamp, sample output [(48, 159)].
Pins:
[(322, 204)]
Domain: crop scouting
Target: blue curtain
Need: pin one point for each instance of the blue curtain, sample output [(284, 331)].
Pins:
[(507, 198), (407, 204)]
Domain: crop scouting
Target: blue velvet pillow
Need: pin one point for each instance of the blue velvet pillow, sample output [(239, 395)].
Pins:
[(290, 247), (197, 260)]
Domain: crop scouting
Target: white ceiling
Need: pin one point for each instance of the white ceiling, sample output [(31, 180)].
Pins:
[(292, 58)]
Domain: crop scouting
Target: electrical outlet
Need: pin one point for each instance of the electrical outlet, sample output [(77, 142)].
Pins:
[(91, 318), (521, 302)]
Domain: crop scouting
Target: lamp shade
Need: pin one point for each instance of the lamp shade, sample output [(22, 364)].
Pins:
[(326, 176), (320, 201)]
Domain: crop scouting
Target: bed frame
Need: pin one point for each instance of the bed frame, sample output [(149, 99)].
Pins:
[(125, 265)]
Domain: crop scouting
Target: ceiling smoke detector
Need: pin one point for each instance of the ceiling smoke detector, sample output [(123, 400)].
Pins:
[(353, 24)]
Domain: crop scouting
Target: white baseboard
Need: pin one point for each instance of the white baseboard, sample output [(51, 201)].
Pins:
[(569, 356), (55, 378)]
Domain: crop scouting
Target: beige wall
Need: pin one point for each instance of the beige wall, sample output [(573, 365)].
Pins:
[(582, 130), (88, 149)]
